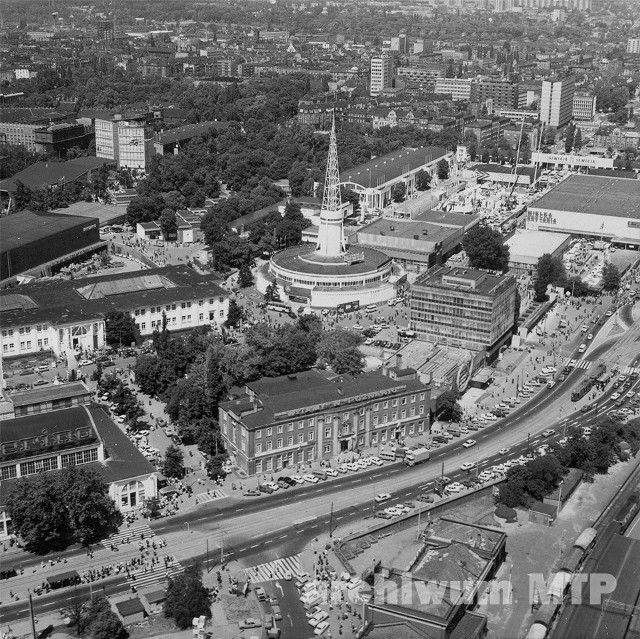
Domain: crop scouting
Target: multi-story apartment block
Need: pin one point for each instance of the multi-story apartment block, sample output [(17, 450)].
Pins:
[(62, 315), (503, 93), (556, 101), (422, 73), (458, 88), (284, 421), (633, 45), (584, 107), (487, 131), (465, 308), (381, 74)]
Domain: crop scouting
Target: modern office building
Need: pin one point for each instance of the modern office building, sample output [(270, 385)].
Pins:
[(503, 93), (127, 139), (458, 88), (584, 107), (278, 422), (381, 74), (466, 308), (556, 101), (64, 315)]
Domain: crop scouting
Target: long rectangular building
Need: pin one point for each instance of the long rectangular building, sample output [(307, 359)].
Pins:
[(283, 421), (61, 315)]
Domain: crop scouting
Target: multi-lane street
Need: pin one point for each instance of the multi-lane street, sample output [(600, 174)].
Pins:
[(258, 529)]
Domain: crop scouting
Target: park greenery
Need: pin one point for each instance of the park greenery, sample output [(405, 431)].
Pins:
[(51, 511), (187, 597), (448, 406), (93, 618), (485, 249), (594, 455)]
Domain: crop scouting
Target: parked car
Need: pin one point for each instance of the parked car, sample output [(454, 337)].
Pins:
[(251, 493)]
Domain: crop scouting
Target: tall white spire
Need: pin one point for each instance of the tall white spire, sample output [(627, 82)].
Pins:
[(330, 233)]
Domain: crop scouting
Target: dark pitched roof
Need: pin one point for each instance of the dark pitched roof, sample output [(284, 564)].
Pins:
[(130, 607)]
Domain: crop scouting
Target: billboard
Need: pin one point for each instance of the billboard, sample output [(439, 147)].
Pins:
[(572, 160), (348, 307)]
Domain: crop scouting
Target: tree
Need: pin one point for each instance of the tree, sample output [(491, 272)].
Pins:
[(235, 316), (423, 180), (104, 624), (55, 509), (485, 249), (577, 287), (442, 169), (187, 598), (577, 140), (272, 293), (144, 209), (151, 507), (569, 137), (332, 343), (120, 328), (610, 277), (173, 465), (398, 192), (349, 361), (168, 224), (550, 271), (448, 406), (349, 195), (245, 278)]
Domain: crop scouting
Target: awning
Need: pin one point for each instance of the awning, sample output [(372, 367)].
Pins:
[(168, 490), (64, 579)]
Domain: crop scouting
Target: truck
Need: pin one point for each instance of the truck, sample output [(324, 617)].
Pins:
[(418, 456)]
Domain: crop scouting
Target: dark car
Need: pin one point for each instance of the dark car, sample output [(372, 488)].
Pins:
[(426, 497), (251, 493), (265, 489), (378, 343), (108, 363), (27, 371), (40, 382), (587, 407), (616, 384), (562, 377), (287, 480), (283, 484)]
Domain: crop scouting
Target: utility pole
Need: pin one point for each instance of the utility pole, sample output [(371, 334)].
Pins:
[(208, 569), (33, 619), (331, 521)]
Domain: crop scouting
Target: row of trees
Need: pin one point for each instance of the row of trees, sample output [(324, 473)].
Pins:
[(594, 455)]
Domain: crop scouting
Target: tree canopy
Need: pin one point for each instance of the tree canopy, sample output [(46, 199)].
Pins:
[(53, 510), (610, 277), (448, 406), (550, 271), (187, 597), (486, 250), (120, 329)]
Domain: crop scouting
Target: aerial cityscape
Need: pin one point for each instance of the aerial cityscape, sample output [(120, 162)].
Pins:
[(320, 319)]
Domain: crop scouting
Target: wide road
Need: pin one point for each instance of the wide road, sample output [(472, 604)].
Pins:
[(248, 527)]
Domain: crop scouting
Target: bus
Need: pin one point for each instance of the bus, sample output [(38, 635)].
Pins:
[(279, 307)]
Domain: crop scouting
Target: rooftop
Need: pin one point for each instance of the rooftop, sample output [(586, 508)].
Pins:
[(533, 244), (593, 195), (62, 301), (105, 213), (391, 166), (187, 132), (279, 395), (49, 394), (454, 277)]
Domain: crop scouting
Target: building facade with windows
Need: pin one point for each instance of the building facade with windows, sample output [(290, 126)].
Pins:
[(283, 421), (79, 436), (381, 75), (502, 93), (556, 101), (127, 139), (465, 308), (70, 314), (584, 107), (458, 88)]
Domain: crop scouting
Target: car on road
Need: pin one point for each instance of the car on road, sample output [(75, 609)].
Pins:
[(283, 484), (551, 384), (584, 328), (331, 472), (277, 613), (321, 628), (352, 466), (312, 479), (251, 493), (499, 468), (631, 395), (590, 336), (548, 432), (362, 463), (467, 466), (469, 443), (425, 497), (394, 511), (376, 461), (342, 469), (485, 475), (357, 327), (318, 618), (40, 382), (263, 488), (272, 485), (85, 362), (563, 441), (609, 313), (383, 514), (503, 451), (249, 622), (587, 407), (380, 497), (455, 487), (614, 396), (288, 480), (582, 349)]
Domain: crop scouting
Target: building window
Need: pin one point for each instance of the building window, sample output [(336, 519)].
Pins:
[(327, 433), (375, 420), (258, 433), (280, 429), (404, 401), (81, 457), (33, 467), (327, 448), (269, 431), (376, 406), (290, 440), (394, 403), (310, 436), (413, 398), (290, 426), (9, 472), (143, 326), (403, 414), (258, 447), (420, 426), (201, 316), (385, 404), (311, 422), (269, 445), (279, 443), (412, 412), (300, 424), (374, 438), (259, 466), (385, 418), (422, 396), (394, 415), (421, 409), (300, 438)]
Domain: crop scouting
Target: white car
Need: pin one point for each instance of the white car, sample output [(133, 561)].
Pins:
[(464, 430), (361, 463), (499, 468), (352, 466), (382, 497), (272, 485), (503, 451), (297, 479), (342, 469), (331, 472), (614, 397), (312, 479), (376, 460), (502, 406), (321, 627), (393, 511), (356, 327), (455, 487), (467, 466), (85, 362), (368, 341), (485, 475), (490, 417), (469, 443)]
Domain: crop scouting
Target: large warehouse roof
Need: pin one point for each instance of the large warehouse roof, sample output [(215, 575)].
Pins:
[(391, 166), (26, 227), (534, 244), (593, 195)]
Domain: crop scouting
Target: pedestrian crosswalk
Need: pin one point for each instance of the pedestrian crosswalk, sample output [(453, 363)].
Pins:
[(159, 574), (277, 569), (577, 363), (202, 498), (630, 370), (130, 535)]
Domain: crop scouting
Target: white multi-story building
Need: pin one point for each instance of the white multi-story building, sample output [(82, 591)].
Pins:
[(459, 88), (381, 74), (68, 315), (128, 140), (633, 45), (584, 107), (556, 101)]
